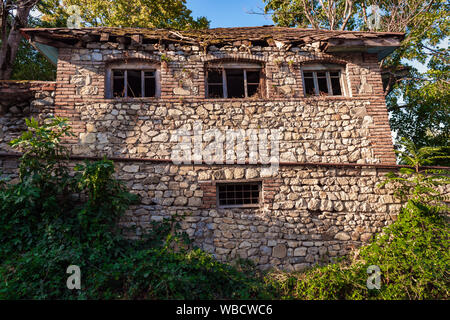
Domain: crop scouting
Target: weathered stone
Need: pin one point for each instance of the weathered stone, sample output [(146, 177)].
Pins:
[(86, 138), (365, 237), (279, 251), (300, 252), (131, 168), (342, 236), (180, 201)]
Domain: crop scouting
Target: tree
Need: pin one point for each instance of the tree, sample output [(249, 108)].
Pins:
[(124, 13), (418, 103), (14, 15)]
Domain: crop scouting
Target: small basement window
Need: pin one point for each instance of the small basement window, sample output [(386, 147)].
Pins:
[(233, 81), (231, 195), (323, 80), (132, 82)]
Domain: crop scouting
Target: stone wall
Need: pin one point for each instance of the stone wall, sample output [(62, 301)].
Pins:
[(309, 214), (309, 131), (81, 88), (20, 100)]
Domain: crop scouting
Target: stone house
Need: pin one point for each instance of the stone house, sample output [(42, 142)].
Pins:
[(129, 92)]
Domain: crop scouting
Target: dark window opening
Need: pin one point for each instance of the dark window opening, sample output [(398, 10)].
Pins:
[(233, 83), (215, 84), (133, 83), (322, 83), (335, 83), (149, 84), (309, 83), (239, 194), (118, 83)]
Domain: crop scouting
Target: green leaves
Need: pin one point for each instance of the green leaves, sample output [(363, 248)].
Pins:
[(122, 13)]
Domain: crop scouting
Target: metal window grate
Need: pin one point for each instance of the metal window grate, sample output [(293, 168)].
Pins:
[(239, 194)]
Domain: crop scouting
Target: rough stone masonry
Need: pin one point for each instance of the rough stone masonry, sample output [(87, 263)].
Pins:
[(333, 149)]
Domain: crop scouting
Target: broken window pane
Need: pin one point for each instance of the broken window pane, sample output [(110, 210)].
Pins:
[(134, 83), (328, 82), (322, 83), (253, 77), (309, 86), (214, 76), (118, 83), (252, 90), (215, 85), (235, 83), (149, 87), (149, 83), (215, 91), (336, 86)]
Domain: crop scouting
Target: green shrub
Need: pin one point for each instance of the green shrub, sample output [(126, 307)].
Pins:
[(412, 254)]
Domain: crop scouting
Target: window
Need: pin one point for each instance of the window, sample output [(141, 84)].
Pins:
[(322, 80), (246, 194), (132, 81), (233, 81)]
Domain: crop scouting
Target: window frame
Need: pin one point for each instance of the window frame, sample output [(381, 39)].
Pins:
[(252, 67), (142, 67), (327, 68), (242, 206)]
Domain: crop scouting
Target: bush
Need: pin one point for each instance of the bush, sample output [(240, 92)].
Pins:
[(45, 226), (412, 254)]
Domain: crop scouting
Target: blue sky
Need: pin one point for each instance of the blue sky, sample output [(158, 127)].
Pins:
[(229, 13)]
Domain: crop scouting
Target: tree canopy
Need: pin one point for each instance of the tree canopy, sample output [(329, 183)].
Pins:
[(18, 60), (123, 13)]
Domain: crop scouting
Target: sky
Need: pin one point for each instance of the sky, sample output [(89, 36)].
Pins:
[(229, 13)]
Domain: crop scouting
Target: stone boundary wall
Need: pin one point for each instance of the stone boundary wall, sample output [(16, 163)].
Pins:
[(20, 100)]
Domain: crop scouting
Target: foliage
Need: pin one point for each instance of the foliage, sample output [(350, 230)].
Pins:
[(412, 253), (30, 64), (53, 218), (14, 15), (122, 13), (419, 106), (317, 14)]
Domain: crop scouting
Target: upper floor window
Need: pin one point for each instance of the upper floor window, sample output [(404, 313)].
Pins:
[(323, 80), (132, 81), (233, 80)]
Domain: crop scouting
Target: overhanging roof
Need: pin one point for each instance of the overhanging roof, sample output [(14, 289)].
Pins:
[(381, 43)]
